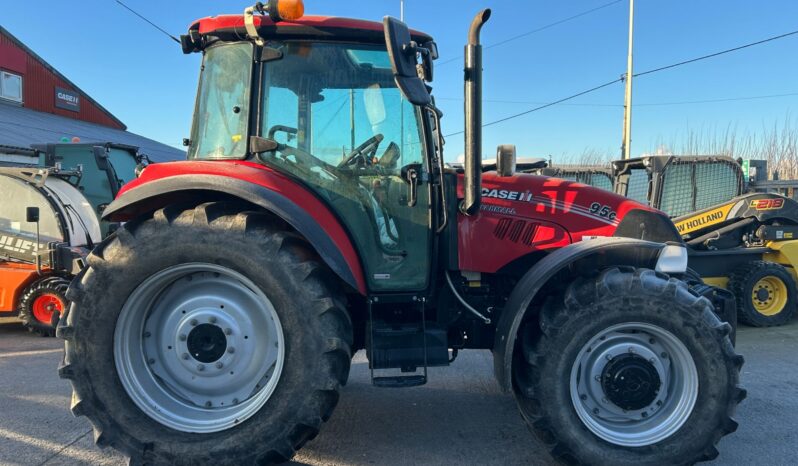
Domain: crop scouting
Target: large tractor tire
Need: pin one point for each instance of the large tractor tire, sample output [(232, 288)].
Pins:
[(628, 368), (205, 335), (765, 294), (43, 301)]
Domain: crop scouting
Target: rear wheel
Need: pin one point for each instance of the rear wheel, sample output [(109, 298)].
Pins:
[(43, 301), (224, 341), (765, 294), (628, 368)]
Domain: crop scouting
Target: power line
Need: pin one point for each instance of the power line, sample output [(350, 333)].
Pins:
[(149, 22), (542, 28), (573, 96), (709, 101), (692, 60), (661, 68), (649, 104)]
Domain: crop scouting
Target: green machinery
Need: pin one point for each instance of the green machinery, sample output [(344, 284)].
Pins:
[(105, 168)]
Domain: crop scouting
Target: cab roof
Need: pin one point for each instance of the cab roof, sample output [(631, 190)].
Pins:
[(231, 27)]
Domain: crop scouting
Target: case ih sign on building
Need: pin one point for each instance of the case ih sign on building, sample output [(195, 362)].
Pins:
[(67, 99), (30, 82)]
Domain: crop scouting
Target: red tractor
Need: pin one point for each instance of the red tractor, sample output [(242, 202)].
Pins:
[(315, 217)]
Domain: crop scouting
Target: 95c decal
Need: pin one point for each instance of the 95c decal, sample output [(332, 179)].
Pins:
[(603, 211)]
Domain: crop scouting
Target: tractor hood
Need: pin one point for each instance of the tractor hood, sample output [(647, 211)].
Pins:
[(524, 213)]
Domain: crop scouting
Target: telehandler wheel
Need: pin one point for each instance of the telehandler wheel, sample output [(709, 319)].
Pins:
[(205, 335), (765, 294), (628, 368), (40, 302)]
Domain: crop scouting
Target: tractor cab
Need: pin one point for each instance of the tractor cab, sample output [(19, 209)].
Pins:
[(326, 111)]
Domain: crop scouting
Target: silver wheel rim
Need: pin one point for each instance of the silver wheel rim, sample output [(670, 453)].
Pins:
[(670, 405), (199, 348)]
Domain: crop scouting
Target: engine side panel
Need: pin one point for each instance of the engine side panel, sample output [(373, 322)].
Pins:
[(526, 213)]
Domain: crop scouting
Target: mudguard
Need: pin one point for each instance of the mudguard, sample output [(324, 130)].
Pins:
[(167, 183), (586, 255)]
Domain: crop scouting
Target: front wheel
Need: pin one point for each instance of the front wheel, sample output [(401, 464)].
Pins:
[(628, 368), (205, 335)]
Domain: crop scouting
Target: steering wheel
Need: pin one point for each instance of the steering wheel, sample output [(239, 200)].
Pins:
[(365, 151)]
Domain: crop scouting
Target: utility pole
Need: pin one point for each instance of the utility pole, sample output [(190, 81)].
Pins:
[(627, 104)]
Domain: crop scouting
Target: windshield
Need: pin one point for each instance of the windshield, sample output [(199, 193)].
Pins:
[(221, 116)]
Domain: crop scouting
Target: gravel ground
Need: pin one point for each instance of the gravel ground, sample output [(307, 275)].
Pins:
[(459, 417)]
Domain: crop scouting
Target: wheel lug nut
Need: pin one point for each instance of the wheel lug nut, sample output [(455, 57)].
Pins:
[(185, 356), (598, 378), (219, 365), (200, 367), (183, 337), (231, 350), (193, 322), (631, 350), (645, 415), (235, 401), (212, 320), (583, 397), (664, 355), (208, 404), (151, 361), (651, 340), (604, 400), (609, 357), (595, 410), (228, 331), (147, 334)]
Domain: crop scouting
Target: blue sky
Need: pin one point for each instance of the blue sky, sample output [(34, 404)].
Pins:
[(143, 77)]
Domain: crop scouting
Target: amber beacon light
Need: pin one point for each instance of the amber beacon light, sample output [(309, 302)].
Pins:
[(282, 10)]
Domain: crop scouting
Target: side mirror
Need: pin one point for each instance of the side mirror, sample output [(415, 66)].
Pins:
[(505, 160), (32, 214), (402, 52)]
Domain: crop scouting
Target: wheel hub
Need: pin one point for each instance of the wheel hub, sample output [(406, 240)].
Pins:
[(206, 343), (199, 347), (631, 382), (634, 384), (762, 294)]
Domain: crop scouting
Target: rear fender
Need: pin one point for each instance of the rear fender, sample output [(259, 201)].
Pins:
[(595, 254), (260, 186)]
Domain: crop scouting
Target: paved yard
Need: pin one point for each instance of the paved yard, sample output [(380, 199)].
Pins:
[(459, 417)]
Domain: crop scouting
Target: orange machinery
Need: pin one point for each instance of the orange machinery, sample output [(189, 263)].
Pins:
[(46, 229)]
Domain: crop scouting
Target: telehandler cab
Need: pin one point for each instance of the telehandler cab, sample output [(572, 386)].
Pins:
[(315, 216)]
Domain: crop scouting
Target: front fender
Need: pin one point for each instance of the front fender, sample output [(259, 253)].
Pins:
[(595, 254), (167, 183)]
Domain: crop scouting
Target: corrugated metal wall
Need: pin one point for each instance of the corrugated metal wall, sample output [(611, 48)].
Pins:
[(39, 85)]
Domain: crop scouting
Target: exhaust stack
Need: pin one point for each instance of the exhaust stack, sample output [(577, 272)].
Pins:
[(473, 116)]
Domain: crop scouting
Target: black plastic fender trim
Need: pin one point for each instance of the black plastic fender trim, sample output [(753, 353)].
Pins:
[(596, 254), (159, 193)]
